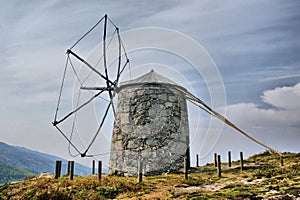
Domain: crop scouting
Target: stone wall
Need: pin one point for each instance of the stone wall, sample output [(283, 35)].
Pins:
[(152, 125)]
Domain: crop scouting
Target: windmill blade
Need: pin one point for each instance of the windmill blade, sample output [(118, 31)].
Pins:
[(105, 65), (198, 105), (104, 51), (119, 58), (111, 102), (74, 129), (127, 61), (110, 84), (60, 91), (97, 132), (214, 113), (77, 109), (121, 47), (70, 142), (95, 88), (69, 51), (87, 33)]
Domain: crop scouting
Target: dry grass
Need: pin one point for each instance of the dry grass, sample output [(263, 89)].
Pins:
[(263, 177)]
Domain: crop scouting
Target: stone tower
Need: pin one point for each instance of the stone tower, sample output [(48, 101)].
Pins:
[(151, 124)]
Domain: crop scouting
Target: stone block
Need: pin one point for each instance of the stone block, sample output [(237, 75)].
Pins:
[(149, 125)]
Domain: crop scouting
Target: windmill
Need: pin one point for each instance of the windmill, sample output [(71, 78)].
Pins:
[(151, 125), (109, 80), (108, 88)]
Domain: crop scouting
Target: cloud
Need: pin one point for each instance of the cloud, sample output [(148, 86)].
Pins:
[(284, 111), (281, 77), (286, 98), (277, 126), (244, 38)]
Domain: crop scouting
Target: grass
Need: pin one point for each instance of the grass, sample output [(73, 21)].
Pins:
[(263, 177)]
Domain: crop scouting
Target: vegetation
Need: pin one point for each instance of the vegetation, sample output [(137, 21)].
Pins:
[(17, 163), (10, 173), (263, 177)]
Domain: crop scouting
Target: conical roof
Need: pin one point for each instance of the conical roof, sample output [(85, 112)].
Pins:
[(150, 77)]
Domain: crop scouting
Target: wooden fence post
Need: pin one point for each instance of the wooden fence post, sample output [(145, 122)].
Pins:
[(215, 158), (281, 160), (241, 161), (93, 167), (185, 168), (219, 166), (197, 160), (140, 171), (99, 170), (69, 168), (71, 175), (229, 158), (57, 169)]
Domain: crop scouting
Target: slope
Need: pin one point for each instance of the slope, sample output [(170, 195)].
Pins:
[(20, 159), (262, 178)]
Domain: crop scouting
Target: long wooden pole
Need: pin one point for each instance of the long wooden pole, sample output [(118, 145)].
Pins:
[(140, 171), (229, 158), (71, 170), (93, 167), (58, 169), (215, 159), (241, 161), (219, 166), (185, 166), (99, 170)]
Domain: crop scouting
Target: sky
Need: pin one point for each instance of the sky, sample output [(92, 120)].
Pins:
[(254, 49)]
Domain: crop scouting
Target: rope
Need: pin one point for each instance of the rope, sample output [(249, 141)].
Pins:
[(119, 59), (129, 66), (100, 126), (124, 50), (77, 109), (82, 82), (101, 154), (99, 60), (104, 52), (73, 127), (87, 32), (222, 118), (75, 71), (87, 64), (109, 83), (127, 59), (101, 57), (70, 142), (61, 89), (111, 22), (193, 102), (124, 67)]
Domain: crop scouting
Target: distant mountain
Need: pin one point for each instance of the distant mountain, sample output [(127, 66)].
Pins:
[(19, 162)]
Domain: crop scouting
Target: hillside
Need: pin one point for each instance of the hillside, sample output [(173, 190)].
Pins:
[(18, 163), (10, 173), (263, 178)]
